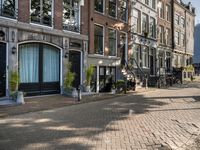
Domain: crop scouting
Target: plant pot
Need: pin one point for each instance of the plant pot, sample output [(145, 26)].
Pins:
[(20, 98), (71, 92), (87, 89), (113, 91)]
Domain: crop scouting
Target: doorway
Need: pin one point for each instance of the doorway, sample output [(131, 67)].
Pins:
[(75, 60), (2, 69)]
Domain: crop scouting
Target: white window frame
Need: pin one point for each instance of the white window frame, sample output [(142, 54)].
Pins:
[(115, 42)]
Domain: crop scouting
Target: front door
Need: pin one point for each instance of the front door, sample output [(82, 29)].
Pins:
[(75, 60), (2, 69)]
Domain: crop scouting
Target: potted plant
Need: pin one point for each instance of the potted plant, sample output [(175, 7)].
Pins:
[(89, 73), (14, 82), (113, 88), (68, 80)]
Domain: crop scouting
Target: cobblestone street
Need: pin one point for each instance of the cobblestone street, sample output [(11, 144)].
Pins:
[(162, 119)]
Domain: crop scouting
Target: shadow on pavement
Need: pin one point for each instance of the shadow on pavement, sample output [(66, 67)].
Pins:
[(74, 127)]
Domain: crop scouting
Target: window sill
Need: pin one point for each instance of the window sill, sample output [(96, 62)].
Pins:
[(42, 26), (7, 18)]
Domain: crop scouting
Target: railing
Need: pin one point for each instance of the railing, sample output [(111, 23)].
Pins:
[(9, 13), (72, 27)]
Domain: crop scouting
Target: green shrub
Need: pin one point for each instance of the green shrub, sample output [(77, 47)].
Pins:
[(14, 81), (69, 77), (89, 73), (120, 84)]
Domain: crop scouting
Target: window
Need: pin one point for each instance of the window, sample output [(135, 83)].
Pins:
[(136, 21), (123, 43), (161, 59), (162, 34), (71, 15), (98, 39), (144, 24), (161, 10), (112, 42), (176, 19), (168, 13), (145, 57), (153, 4), (98, 5), (123, 10), (177, 38), (8, 8), (136, 55), (167, 34), (41, 12), (112, 8), (146, 2), (182, 22), (152, 27), (168, 62), (182, 39)]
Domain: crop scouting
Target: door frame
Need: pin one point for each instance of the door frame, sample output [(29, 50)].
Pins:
[(43, 42), (7, 85), (81, 64)]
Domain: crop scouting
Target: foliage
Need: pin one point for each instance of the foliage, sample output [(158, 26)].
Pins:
[(14, 81), (89, 73), (189, 68), (69, 77), (120, 84)]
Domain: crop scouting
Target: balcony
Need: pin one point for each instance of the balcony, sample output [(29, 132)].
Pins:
[(71, 27)]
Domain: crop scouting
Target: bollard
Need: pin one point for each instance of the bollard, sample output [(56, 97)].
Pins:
[(79, 94)]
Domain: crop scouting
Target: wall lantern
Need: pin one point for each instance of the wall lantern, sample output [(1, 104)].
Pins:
[(66, 54), (14, 50)]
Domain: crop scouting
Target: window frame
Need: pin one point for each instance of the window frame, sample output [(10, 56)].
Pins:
[(110, 1), (103, 11), (15, 17), (126, 11), (103, 41), (52, 16), (115, 42)]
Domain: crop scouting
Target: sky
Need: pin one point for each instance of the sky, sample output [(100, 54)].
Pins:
[(196, 4)]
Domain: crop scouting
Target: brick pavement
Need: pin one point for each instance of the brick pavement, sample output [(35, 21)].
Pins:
[(157, 120)]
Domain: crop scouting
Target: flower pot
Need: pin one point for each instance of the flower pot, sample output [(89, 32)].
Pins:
[(20, 98), (87, 89)]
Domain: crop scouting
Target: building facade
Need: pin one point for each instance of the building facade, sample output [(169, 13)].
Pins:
[(143, 38), (38, 39), (164, 37), (183, 26), (108, 40)]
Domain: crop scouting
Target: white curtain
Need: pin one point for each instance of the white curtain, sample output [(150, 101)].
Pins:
[(29, 63), (51, 63)]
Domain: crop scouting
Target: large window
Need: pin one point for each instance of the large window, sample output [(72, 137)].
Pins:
[(152, 27), (41, 12), (168, 13), (144, 24), (182, 39), (146, 2), (8, 8), (177, 38), (99, 5), (182, 22), (98, 39), (136, 55), (161, 9), (112, 42), (39, 68), (153, 4), (136, 21), (161, 34), (177, 19), (167, 35), (112, 8), (123, 10), (71, 15), (145, 57)]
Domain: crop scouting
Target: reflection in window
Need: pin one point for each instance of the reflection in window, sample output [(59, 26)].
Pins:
[(8, 8), (98, 5), (71, 15), (98, 39), (112, 42), (112, 8), (123, 10), (41, 12)]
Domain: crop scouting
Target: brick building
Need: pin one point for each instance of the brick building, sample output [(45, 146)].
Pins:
[(108, 40), (38, 39)]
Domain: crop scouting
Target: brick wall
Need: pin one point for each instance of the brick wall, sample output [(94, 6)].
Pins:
[(24, 10), (58, 14)]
